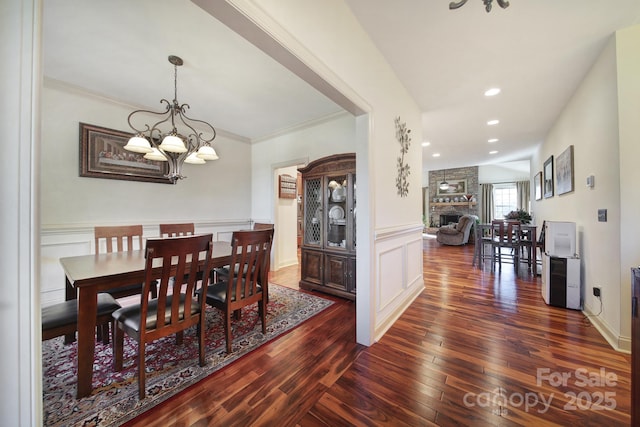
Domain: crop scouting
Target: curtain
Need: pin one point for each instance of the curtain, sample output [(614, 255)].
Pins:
[(523, 192), (486, 213)]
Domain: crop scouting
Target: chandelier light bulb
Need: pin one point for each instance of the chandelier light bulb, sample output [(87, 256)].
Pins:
[(206, 152), (138, 144), (156, 155), (194, 159), (173, 144)]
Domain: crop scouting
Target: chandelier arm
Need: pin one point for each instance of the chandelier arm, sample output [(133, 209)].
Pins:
[(456, 5), (198, 135), (151, 129)]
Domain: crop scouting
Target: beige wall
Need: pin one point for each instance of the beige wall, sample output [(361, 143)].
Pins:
[(218, 190), (327, 40), (628, 62), (599, 122)]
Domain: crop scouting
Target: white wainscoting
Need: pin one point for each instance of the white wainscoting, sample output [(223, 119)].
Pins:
[(399, 277), (65, 241)]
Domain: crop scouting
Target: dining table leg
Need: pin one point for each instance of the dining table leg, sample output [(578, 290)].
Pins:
[(69, 294), (87, 299)]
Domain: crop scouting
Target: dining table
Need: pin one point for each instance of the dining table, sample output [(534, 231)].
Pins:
[(86, 275), (527, 240)]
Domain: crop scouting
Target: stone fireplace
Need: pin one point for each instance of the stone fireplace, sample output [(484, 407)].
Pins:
[(454, 204)]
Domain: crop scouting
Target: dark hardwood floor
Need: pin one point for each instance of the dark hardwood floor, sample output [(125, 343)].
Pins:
[(475, 348)]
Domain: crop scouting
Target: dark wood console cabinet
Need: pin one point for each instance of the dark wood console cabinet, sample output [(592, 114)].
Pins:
[(328, 250)]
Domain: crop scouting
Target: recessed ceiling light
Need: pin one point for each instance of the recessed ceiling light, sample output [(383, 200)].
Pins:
[(426, 144), (492, 140), (493, 122), (493, 152), (436, 154), (492, 92)]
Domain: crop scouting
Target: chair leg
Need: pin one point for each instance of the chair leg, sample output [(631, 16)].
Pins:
[(201, 339), (262, 309), (179, 337), (104, 332), (118, 345), (227, 329), (141, 370)]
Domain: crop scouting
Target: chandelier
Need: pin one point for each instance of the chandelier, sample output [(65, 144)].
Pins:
[(487, 4), (161, 141), (444, 185)]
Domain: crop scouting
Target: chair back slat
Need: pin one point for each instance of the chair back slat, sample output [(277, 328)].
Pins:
[(250, 252), (262, 226), (180, 258), (118, 234), (177, 230)]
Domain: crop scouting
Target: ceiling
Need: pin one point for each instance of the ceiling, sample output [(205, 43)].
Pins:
[(537, 52)]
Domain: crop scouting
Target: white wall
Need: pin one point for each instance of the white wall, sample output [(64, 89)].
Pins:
[(334, 135), (215, 196), (331, 135), (600, 121), (327, 39), (20, 370), (285, 251), (628, 62), (218, 190), (504, 172)]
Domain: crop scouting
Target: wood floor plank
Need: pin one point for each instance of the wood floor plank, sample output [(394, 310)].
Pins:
[(466, 352)]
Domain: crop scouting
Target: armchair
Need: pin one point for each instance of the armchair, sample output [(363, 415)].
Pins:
[(457, 234)]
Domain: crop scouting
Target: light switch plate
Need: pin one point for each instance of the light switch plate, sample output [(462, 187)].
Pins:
[(602, 215)]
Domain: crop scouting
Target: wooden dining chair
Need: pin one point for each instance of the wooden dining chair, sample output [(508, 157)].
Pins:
[(176, 230), (223, 273), (249, 251), (262, 226), (122, 238), (62, 318), (505, 235), (175, 308)]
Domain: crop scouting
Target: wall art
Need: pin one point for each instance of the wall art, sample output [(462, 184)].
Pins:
[(403, 137)]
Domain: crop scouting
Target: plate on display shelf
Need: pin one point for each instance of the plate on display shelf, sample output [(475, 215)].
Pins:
[(336, 212), (339, 194)]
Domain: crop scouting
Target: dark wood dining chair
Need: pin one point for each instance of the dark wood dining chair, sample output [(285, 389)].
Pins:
[(249, 251), (175, 309), (505, 235), (223, 273), (262, 226), (122, 238), (176, 230), (62, 318)]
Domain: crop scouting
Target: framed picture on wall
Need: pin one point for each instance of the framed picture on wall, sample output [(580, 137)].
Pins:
[(537, 185), (102, 155), (564, 171), (457, 187), (548, 178)]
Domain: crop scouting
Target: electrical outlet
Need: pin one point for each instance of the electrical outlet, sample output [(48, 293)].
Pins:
[(596, 292)]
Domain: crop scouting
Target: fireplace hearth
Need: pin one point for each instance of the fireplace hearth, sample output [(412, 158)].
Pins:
[(447, 219)]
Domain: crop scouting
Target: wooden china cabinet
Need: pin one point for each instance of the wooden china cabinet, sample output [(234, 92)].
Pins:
[(328, 251)]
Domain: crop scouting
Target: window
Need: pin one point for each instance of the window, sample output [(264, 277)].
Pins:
[(505, 199)]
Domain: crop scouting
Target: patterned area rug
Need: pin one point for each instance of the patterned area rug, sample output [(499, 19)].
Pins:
[(170, 368)]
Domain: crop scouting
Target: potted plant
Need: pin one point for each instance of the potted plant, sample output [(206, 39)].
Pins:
[(520, 214)]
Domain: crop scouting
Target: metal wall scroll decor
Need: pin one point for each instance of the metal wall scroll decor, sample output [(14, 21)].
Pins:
[(403, 137), (487, 4)]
